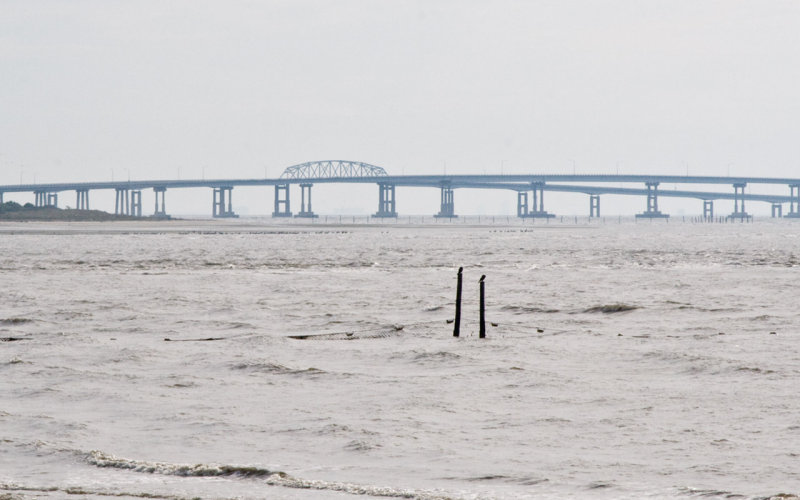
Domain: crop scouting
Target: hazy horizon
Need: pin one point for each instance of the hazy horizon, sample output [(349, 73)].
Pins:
[(94, 90)]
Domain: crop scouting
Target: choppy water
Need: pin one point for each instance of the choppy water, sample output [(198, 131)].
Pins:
[(683, 392)]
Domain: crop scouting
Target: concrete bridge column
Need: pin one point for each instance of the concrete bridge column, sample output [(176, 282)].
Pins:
[(82, 202), (1, 197), (160, 208), (777, 210), (282, 208), (136, 203), (652, 211), (122, 202), (708, 209), (537, 210), (305, 211), (218, 204), (45, 199), (386, 201), (522, 203), (223, 203), (794, 201), (447, 204), (594, 205), (738, 202), (538, 198)]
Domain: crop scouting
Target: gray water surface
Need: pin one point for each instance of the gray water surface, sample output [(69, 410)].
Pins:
[(683, 392)]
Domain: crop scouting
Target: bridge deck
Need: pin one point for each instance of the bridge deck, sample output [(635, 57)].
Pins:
[(599, 184), (403, 180)]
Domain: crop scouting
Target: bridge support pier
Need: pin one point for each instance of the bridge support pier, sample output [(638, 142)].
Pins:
[(122, 202), (538, 211), (160, 207), (447, 206), (305, 211), (386, 202), (594, 205), (45, 199), (522, 203), (794, 201), (1, 197), (223, 203), (136, 203), (708, 209), (777, 210), (82, 201), (652, 211), (738, 203), (282, 208)]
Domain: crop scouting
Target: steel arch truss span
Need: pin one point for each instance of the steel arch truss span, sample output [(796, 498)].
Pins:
[(333, 169)]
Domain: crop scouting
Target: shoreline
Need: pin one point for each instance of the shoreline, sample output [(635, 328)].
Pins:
[(268, 225)]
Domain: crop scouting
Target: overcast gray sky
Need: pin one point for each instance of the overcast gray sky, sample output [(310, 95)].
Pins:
[(157, 89)]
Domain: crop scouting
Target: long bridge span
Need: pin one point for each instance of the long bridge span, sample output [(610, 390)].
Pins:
[(529, 190)]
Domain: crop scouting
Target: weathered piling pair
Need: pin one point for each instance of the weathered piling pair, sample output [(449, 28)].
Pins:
[(457, 326)]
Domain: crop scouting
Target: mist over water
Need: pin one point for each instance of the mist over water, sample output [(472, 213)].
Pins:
[(649, 360)]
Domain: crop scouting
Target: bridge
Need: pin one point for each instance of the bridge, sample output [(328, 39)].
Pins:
[(529, 189)]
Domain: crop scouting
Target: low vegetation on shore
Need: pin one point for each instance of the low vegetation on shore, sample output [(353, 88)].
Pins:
[(12, 210)]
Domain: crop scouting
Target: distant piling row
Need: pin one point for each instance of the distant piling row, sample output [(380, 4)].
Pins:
[(513, 220)]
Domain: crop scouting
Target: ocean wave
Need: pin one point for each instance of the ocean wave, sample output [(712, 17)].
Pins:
[(611, 308), (711, 493), (754, 370), (235, 325), (434, 356), (15, 321), (276, 368), (704, 309), (76, 490), (680, 357), (528, 309), (360, 445), (270, 477), (722, 494), (100, 459), (692, 363), (334, 429), (524, 480)]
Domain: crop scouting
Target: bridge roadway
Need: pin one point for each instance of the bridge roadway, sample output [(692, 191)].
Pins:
[(598, 190), (129, 192), (399, 180)]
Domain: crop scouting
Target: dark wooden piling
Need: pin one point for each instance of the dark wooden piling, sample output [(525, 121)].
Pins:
[(482, 333), (457, 326)]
